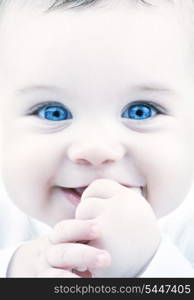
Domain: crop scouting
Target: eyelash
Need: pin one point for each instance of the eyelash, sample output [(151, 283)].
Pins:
[(148, 104), (49, 104), (159, 110)]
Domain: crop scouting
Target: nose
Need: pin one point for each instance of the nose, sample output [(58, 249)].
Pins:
[(95, 155)]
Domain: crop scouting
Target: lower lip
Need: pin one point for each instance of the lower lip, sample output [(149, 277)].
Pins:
[(73, 197)]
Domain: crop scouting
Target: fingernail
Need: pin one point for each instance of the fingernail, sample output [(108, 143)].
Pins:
[(81, 269)]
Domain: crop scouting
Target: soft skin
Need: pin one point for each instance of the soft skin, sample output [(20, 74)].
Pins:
[(96, 62), (109, 244), (127, 222)]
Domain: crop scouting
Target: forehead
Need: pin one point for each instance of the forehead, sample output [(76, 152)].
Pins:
[(133, 42)]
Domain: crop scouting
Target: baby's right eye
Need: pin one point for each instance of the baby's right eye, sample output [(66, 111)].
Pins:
[(52, 112)]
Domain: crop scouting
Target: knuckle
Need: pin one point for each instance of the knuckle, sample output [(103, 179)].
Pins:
[(55, 255), (49, 254), (87, 254), (61, 255)]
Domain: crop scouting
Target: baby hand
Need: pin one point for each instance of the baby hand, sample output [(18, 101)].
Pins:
[(129, 227), (61, 254)]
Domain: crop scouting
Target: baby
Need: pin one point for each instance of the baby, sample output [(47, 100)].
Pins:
[(97, 133)]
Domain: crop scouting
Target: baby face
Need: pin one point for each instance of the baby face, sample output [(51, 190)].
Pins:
[(95, 93)]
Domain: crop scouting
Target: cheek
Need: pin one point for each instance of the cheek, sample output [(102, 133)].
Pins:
[(168, 167), (27, 169)]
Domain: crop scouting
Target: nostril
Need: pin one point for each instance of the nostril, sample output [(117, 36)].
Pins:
[(82, 162), (108, 161), (96, 162)]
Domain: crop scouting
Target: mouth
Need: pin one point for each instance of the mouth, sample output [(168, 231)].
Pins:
[(73, 195)]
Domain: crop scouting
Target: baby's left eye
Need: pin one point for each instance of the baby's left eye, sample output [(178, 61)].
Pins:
[(140, 111)]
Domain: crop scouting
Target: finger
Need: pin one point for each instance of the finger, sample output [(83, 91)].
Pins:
[(77, 256), (102, 188), (106, 188), (90, 208), (57, 273), (75, 230)]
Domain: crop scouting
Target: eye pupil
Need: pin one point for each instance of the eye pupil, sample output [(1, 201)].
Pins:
[(56, 114), (139, 112)]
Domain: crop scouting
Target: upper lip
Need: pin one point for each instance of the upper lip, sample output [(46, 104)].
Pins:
[(85, 186), (80, 189)]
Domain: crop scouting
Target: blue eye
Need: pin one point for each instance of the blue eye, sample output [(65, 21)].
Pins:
[(53, 112), (139, 112)]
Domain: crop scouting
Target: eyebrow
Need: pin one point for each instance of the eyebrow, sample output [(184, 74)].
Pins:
[(37, 88), (153, 87)]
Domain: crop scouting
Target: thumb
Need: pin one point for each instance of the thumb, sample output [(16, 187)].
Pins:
[(90, 208)]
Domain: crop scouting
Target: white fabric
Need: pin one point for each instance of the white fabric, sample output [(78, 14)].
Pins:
[(168, 262), (174, 257)]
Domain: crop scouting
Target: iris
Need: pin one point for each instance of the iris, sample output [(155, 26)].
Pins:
[(54, 113), (139, 112)]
